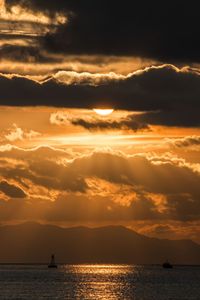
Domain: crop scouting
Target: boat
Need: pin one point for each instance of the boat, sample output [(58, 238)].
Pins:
[(52, 263), (167, 265)]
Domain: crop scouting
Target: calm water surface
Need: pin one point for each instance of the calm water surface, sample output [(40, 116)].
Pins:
[(99, 282)]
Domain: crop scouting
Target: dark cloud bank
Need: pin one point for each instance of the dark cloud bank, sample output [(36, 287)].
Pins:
[(169, 96), (163, 30)]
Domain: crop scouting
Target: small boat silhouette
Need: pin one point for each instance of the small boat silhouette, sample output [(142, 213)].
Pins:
[(52, 263), (167, 265)]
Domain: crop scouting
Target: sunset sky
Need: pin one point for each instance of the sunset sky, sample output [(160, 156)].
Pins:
[(64, 160)]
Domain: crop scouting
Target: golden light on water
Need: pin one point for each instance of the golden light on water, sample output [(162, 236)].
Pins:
[(103, 112), (108, 282)]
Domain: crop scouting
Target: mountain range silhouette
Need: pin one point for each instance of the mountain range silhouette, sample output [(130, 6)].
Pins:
[(33, 243)]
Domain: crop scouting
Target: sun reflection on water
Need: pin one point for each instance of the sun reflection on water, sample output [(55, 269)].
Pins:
[(101, 281), (102, 269)]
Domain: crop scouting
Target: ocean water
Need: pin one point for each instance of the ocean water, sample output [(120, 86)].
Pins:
[(99, 282)]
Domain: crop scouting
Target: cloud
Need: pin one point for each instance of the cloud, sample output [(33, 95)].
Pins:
[(167, 95), (127, 28), (11, 190), (137, 187), (171, 117), (75, 210), (15, 11), (123, 124), (152, 178), (25, 53), (86, 78), (70, 208), (49, 152), (59, 118), (21, 31), (40, 62), (16, 133), (110, 29), (171, 230), (44, 167), (93, 123), (129, 170), (188, 141)]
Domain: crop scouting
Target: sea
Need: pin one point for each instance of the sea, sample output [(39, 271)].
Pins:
[(107, 282)]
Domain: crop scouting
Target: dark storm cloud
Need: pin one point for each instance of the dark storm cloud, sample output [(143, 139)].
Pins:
[(168, 95), (163, 30)]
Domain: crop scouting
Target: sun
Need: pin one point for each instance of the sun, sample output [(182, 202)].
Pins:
[(103, 112)]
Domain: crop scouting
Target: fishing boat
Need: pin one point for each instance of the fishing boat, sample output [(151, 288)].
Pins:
[(167, 265)]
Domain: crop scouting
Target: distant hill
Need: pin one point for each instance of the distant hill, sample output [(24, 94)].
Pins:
[(34, 243)]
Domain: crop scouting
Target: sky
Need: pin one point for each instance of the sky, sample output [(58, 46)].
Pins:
[(99, 114)]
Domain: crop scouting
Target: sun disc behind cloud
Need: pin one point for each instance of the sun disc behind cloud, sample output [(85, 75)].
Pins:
[(103, 112)]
